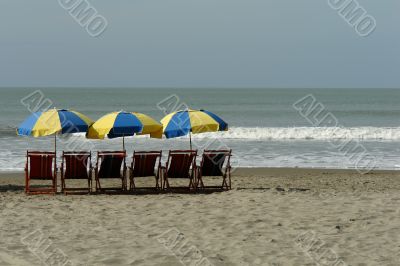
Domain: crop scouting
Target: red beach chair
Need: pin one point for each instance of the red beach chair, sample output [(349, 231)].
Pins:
[(108, 166), (212, 164), (40, 166), (180, 164), (76, 165), (144, 164)]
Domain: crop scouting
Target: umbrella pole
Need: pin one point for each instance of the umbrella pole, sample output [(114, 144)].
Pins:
[(190, 139), (55, 160), (123, 142)]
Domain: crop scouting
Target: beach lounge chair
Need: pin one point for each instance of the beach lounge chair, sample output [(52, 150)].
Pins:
[(76, 165), (212, 164), (40, 166), (145, 164), (108, 166), (180, 164)]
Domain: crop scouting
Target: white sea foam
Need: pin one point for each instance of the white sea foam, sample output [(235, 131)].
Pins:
[(304, 133), (252, 146), (297, 133)]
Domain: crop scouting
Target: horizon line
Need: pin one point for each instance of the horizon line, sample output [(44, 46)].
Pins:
[(189, 87)]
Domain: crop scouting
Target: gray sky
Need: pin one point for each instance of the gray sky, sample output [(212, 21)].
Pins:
[(199, 43)]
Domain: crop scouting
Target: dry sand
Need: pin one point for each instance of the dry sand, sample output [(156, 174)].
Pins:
[(271, 217)]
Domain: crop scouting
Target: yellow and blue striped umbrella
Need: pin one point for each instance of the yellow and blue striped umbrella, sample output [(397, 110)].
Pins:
[(122, 124), (181, 123), (54, 121)]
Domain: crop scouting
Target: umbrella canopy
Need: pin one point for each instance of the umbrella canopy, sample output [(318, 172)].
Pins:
[(181, 123), (54, 121), (122, 124)]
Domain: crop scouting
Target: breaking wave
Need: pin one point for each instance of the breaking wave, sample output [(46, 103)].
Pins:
[(308, 133), (282, 133)]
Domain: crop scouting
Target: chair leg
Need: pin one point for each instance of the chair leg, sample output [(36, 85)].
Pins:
[(164, 179), (199, 182), (27, 184), (62, 185), (131, 181), (191, 184), (54, 185), (132, 185), (157, 177), (196, 180), (224, 184), (229, 180), (166, 183), (199, 179), (98, 186)]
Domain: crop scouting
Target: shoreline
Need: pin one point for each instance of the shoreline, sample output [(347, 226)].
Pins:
[(245, 171), (282, 179)]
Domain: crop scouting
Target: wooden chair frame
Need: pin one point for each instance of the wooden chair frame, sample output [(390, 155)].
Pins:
[(135, 165), (226, 174), (191, 166), (87, 156), (100, 157), (53, 173)]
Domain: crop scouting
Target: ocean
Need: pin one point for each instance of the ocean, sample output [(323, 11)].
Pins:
[(266, 127)]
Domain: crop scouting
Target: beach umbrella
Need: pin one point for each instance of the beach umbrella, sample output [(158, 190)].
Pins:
[(186, 122), (123, 124), (54, 121)]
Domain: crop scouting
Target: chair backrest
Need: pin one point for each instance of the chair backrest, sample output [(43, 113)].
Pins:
[(111, 162), (41, 165), (213, 162), (144, 162), (179, 163), (77, 165)]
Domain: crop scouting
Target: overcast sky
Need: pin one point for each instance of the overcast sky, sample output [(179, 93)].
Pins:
[(199, 43)]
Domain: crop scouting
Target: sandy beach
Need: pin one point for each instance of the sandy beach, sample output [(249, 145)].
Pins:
[(288, 104), (270, 217)]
